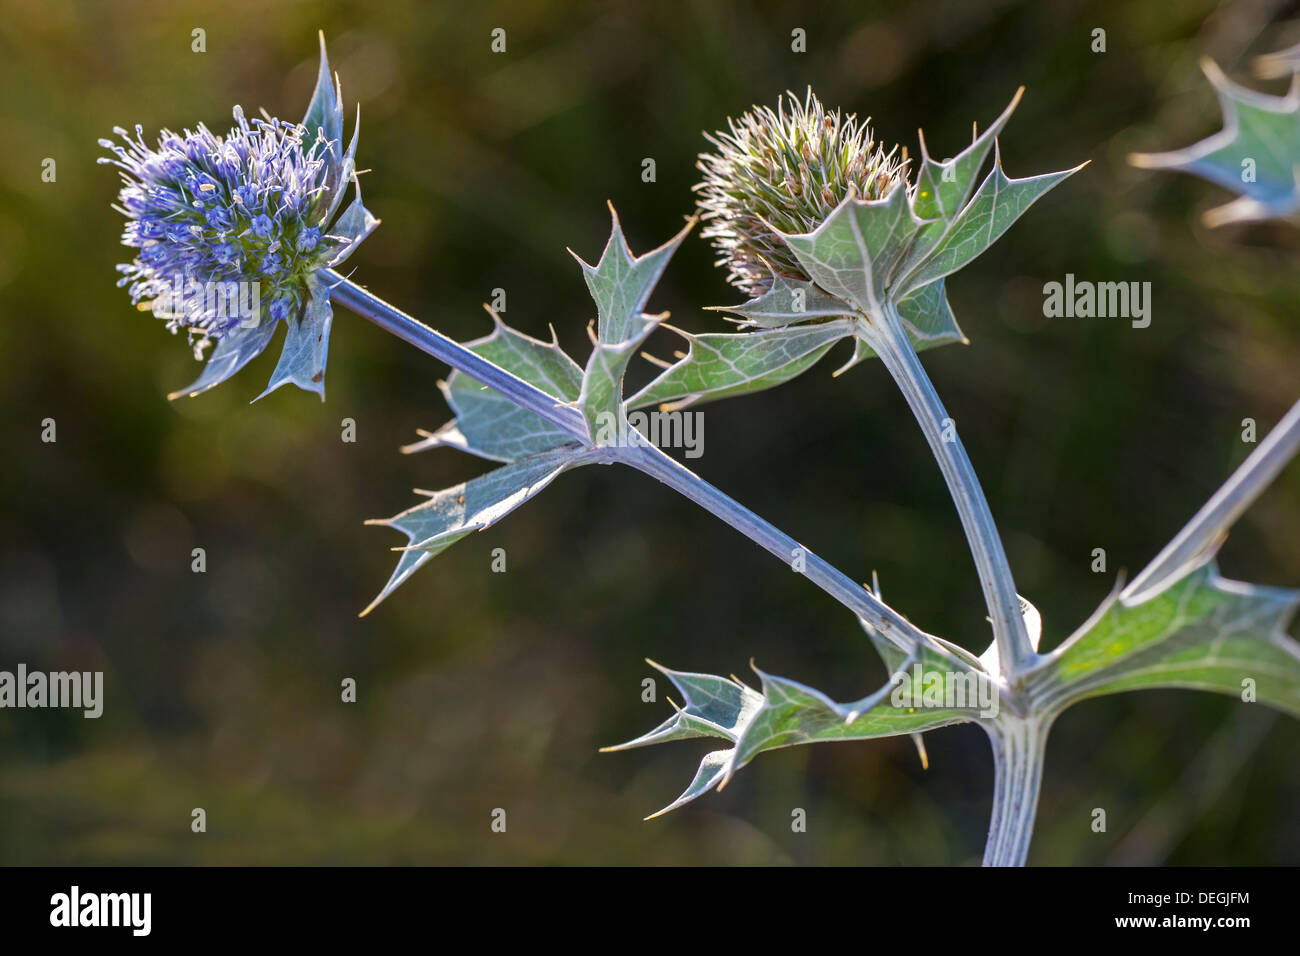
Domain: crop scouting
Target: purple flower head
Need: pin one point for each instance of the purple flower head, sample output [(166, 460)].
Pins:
[(251, 206), (245, 223)]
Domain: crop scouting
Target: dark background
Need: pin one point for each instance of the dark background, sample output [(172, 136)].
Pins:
[(481, 690)]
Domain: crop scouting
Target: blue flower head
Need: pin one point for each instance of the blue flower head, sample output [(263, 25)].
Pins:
[(232, 234)]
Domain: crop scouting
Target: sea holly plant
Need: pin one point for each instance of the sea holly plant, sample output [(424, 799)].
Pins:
[(829, 236)]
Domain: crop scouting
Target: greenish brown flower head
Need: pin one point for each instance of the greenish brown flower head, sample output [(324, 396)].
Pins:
[(785, 169)]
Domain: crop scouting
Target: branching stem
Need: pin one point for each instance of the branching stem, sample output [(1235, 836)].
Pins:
[(1017, 742), (641, 455)]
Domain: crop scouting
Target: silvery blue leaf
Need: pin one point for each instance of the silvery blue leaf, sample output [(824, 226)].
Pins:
[(306, 344), (230, 355)]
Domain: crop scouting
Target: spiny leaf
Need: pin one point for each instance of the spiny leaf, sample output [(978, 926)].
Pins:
[(601, 397), (896, 659), (306, 344), (787, 713), (712, 771), (324, 117), (943, 247), (230, 355), (491, 426), (351, 230), (347, 170), (795, 714), (621, 283), (715, 707), (449, 515), (1201, 631), (722, 364), (853, 252), (873, 253), (1255, 154), (943, 188), (787, 302)]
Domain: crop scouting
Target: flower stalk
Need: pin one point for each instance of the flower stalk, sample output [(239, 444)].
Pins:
[(888, 339), (650, 460), (409, 329)]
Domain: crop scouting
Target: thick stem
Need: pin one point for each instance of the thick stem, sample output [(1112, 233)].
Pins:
[(1019, 745), (348, 294), (650, 460), (890, 342)]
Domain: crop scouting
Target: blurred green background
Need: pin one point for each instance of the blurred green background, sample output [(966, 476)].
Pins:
[(481, 690)]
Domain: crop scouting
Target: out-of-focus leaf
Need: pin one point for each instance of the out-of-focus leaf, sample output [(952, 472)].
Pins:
[(1271, 66), (1255, 154)]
